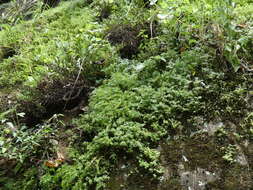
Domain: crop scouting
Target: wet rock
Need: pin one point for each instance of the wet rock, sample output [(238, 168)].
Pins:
[(197, 179), (212, 127), (241, 158), (249, 98), (128, 177), (197, 163)]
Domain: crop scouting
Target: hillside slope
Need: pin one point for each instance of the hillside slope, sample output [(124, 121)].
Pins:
[(127, 95)]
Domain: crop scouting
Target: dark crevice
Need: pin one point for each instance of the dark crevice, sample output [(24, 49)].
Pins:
[(7, 52), (4, 1), (130, 37), (50, 3), (54, 97), (105, 12)]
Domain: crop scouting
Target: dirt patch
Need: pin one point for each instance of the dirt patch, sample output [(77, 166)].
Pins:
[(7, 101), (130, 37), (52, 97), (7, 52), (105, 12)]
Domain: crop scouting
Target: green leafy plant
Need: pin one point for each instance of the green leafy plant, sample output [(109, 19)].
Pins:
[(20, 143)]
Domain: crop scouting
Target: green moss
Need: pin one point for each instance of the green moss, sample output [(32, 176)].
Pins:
[(195, 65), (49, 44)]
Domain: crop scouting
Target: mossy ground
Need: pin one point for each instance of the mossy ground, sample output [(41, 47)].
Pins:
[(118, 94)]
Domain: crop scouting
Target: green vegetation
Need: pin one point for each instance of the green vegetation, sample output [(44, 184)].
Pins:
[(90, 87)]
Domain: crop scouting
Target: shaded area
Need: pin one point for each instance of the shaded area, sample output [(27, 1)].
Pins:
[(130, 37), (5, 1), (51, 3), (128, 176), (7, 52), (201, 158), (54, 97), (190, 163), (105, 12)]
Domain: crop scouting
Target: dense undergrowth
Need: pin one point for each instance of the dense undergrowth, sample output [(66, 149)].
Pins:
[(130, 75)]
